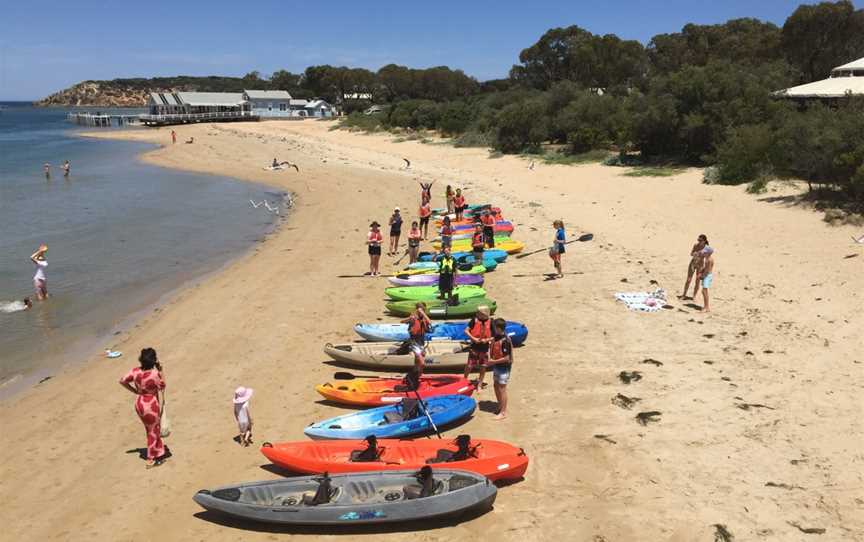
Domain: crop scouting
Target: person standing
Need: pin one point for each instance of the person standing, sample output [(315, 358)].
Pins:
[(425, 212), (488, 221), (173, 136), (40, 280), (242, 415), (147, 383), (67, 168), (479, 332), (46, 167), (448, 199), (501, 361), (414, 237), (373, 241), (426, 192), (395, 231), (418, 325), (446, 275), (693, 267), (558, 247), (459, 205), (478, 242), (446, 233), (707, 275)]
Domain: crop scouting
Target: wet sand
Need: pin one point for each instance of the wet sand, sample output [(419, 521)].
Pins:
[(760, 427)]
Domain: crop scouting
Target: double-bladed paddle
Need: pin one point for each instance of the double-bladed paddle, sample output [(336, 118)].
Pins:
[(582, 238)]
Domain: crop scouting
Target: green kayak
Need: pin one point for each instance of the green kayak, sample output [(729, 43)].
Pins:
[(428, 293), (440, 311)]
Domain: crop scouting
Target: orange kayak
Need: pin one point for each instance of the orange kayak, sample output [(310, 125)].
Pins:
[(386, 391), (493, 459)]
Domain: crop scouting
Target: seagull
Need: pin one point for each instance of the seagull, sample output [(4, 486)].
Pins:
[(255, 205), (407, 163), (860, 240), (271, 209), (294, 166), (531, 165)]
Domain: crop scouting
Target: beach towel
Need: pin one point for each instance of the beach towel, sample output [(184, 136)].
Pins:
[(643, 301)]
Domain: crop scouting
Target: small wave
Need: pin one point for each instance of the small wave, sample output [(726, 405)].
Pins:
[(12, 306)]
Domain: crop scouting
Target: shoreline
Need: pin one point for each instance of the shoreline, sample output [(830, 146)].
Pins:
[(262, 321)]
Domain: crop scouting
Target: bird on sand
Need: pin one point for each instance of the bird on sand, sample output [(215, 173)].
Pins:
[(407, 163)]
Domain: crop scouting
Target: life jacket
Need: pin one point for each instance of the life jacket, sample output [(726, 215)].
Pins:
[(446, 266), (425, 211), (459, 201), (480, 329), (446, 230), (417, 327), (376, 236), (488, 220), (477, 239), (496, 349)]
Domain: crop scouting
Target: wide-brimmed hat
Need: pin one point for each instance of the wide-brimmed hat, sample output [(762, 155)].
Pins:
[(483, 310), (242, 394), (374, 224)]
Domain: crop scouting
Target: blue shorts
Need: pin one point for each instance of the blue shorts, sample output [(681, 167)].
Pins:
[(707, 280), (501, 375)]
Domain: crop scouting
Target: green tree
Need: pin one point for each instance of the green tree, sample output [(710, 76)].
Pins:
[(819, 37), (521, 127)]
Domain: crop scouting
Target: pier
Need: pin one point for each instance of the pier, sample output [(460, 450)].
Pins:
[(191, 118), (101, 119)]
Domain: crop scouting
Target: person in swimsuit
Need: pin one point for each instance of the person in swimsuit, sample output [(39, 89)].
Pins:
[(147, 383), (242, 395), (425, 213), (373, 241), (67, 168), (558, 247), (395, 231), (706, 275), (501, 361), (40, 280), (693, 267), (414, 237), (459, 204), (46, 167)]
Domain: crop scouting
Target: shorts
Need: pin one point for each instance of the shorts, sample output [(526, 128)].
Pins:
[(556, 256), (374, 250), (446, 241), (394, 232), (417, 345), (489, 235), (424, 221), (501, 374), (707, 280), (477, 359), (460, 210)]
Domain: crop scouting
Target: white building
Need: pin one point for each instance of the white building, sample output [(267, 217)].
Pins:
[(845, 80), (269, 103), (319, 108)]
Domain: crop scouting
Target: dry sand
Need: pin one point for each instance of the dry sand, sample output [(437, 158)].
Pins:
[(785, 335)]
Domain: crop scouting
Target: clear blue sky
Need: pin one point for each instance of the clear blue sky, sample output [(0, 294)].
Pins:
[(48, 45)]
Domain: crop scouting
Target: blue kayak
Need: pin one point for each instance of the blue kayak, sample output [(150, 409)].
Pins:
[(466, 262), (453, 331), (402, 419), (491, 253)]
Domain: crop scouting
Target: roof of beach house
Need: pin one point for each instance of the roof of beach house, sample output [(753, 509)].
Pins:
[(845, 80), (314, 104), (211, 98), (268, 94), (163, 98)]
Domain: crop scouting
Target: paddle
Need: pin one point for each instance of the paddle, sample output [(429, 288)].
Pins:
[(401, 258), (582, 238), (412, 380), (344, 375)]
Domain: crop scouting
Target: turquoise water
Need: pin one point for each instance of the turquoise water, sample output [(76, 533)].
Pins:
[(120, 233)]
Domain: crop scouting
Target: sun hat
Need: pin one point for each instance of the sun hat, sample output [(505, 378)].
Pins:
[(374, 224), (396, 209), (242, 394), (707, 250), (484, 310)]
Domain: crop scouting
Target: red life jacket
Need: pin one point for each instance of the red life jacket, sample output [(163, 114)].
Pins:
[(477, 239), (496, 349), (425, 211), (376, 236), (480, 329), (459, 201), (488, 220), (446, 230), (417, 327)]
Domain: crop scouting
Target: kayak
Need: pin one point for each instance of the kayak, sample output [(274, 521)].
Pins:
[(399, 420), (465, 263), (468, 208), (439, 310), (432, 280), (501, 243), (428, 293), (395, 355), (501, 225), (353, 499), (463, 243), (384, 391), (469, 234), (476, 270), (468, 220), (454, 331), (493, 459), (498, 255)]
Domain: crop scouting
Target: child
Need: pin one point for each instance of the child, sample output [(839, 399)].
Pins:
[(478, 242), (418, 325), (448, 196), (706, 275), (242, 415), (558, 247), (479, 332), (446, 233), (501, 361), (488, 221), (373, 241), (425, 213), (459, 204)]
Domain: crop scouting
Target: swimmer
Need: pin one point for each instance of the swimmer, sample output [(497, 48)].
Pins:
[(46, 167), (67, 168)]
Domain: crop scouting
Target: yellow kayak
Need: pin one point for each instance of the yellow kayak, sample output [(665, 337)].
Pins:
[(511, 246)]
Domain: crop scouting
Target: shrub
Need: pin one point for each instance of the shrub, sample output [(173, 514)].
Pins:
[(746, 154), (521, 127), (711, 175), (473, 139)]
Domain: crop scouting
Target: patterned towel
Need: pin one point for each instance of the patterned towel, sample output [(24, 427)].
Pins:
[(643, 301)]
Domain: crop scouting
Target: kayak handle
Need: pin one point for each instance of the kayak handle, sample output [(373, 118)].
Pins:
[(522, 451), (267, 445)]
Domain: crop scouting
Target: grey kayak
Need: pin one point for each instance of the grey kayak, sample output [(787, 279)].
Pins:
[(353, 499)]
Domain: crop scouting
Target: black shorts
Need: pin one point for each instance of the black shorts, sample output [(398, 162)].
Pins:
[(459, 209), (424, 220), (374, 250), (395, 232), (489, 235)]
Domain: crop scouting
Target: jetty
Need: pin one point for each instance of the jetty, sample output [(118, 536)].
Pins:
[(102, 119), (166, 119)]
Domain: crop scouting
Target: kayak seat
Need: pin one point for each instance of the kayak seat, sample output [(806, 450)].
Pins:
[(371, 453), (323, 495), (462, 453), (409, 410), (416, 491)]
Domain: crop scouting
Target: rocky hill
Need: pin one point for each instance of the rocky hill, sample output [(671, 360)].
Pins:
[(134, 92)]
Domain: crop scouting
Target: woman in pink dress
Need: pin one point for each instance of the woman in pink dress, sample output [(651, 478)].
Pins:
[(146, 382)]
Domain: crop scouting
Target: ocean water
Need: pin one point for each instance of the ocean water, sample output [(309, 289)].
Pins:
[(120, 235)]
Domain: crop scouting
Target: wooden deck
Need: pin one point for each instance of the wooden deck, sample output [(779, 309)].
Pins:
[(191, 118)]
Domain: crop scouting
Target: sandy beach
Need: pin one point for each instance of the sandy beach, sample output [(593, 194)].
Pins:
[(760, 429)]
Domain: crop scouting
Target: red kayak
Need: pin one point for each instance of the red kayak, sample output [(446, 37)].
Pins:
[(387, 391), (493, 459)]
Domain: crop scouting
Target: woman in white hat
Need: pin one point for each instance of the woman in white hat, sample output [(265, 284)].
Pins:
[(242, 395)]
